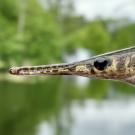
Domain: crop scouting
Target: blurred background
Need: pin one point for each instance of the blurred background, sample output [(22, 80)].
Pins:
[(37, 32)]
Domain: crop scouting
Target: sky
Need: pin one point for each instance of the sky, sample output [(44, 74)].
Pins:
[(106, 8), (112, 9)]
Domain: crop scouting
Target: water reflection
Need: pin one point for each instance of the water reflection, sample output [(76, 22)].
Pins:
[(108, 117), (58, 106)]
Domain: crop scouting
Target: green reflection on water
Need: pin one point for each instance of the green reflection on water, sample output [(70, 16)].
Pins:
[(24, 106)]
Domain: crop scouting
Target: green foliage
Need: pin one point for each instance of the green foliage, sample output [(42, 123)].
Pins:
[(6, 6), (39, 37), (125, 36), (93, 36)]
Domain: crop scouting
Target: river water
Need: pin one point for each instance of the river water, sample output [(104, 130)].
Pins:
[(109, 117), (57, 107)]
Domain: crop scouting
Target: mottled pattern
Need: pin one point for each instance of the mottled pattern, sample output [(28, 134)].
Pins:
[(121, 64), (121, 67)]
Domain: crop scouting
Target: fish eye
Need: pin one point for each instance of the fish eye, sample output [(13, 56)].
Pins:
[(101, 63)]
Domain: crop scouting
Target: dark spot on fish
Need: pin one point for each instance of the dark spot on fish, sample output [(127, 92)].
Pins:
[(72, 68), (19, 71), (47, 71), (54, 66), (32, 68), (24, 69), (40, 69), (92, 71), (55, 70)]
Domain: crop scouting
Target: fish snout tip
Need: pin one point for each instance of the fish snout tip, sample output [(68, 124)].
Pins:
[(13, 70)]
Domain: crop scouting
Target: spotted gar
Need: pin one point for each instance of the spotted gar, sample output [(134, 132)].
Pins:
[(116, 65)]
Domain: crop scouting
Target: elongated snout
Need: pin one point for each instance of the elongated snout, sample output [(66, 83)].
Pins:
[(59, 69), (54, 69)]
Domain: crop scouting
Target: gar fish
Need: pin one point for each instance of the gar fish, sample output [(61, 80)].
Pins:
[(116, 65)]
